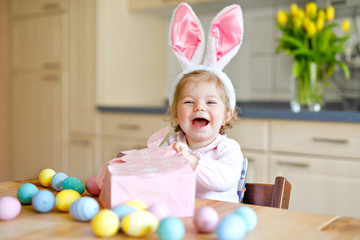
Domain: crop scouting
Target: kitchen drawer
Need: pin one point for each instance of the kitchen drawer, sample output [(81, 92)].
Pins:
[(321, 138), (251, 133), (132, 125)]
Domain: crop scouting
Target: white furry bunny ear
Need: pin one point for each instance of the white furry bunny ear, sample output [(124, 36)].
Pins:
[(225, 37), (186, 36)]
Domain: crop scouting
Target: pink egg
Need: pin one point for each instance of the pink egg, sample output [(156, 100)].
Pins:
[(159, 210), (10, 207), (92, 187), (206, 219)]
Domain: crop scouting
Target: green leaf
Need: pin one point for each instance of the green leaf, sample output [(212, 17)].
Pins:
[(345, 69), (291, 40)]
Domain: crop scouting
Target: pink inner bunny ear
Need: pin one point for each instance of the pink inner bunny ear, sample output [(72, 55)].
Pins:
[(227, 31), (186, 34)]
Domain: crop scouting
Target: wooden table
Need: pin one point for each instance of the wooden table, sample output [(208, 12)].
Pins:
[(272, 223)]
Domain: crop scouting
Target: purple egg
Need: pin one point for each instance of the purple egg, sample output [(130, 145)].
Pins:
[(206, 219), (10, 208)]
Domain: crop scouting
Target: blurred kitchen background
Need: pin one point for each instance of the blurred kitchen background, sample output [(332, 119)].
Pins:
[(81, 80)]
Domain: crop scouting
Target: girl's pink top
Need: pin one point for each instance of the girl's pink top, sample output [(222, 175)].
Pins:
[(219, 168)]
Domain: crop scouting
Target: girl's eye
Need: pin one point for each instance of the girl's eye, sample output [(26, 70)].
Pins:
[(189, 102), (211, 102)]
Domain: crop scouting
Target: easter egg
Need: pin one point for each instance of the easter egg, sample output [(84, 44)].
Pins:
[(74, 184), (84, 209), (57, 180), (206, 219), (249, 215), (231, 226), (26, 192), (10, 207), (43, 201), (139, 223), (92, 187), (65, 198), (123, 209), (159, 210), (45, 177), (139, 205), (171, 228), (105, 223)]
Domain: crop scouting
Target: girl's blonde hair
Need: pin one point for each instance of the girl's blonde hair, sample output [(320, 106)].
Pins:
[(201, 75)]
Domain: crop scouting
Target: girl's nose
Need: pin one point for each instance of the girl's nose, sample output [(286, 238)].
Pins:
[(199, 107)]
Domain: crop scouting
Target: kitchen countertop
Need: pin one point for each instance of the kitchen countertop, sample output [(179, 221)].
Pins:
[(270, 110)]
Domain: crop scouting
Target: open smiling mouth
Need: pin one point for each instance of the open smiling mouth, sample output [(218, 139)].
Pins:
[(200, 122)]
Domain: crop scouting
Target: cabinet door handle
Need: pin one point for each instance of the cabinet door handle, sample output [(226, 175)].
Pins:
[(51, 65), (293, 164), (52, 78), (330, 140), (50, 6), (81, 142), (132, 127)]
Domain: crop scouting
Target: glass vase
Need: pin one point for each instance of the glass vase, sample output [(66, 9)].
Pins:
[(307, 90)]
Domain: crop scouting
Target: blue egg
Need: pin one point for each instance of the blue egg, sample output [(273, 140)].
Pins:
[(231, 226), (249, 216), (84, 209), (26, 192), (171, 228), (57, 180), (43, 201), (123, 209)]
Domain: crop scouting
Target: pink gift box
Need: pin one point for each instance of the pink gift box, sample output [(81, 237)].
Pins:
[(153, 175)]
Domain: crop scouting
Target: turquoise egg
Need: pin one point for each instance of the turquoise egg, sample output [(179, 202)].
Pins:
[(74, 184), (26, 192), (231, 226), (43, 201), (84, 209), (171, 228), (123, 209), (57, 181), (249, 215)]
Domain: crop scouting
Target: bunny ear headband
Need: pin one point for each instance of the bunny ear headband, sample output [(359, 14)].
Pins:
[(186, 38)]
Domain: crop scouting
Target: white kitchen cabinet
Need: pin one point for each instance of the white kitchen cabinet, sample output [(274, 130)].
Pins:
[(321, 185), (37, 44), (258, 167), (83, 161), (253, 137), (143, 5), (123, 131), (131, 56), (37, 137), (38, 79), (82, 87), (26, 7), (315, 137)]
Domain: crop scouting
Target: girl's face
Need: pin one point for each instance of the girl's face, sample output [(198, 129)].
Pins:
[(201, 113)]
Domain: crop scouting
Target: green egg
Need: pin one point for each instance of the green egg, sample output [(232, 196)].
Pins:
[(74, 184)]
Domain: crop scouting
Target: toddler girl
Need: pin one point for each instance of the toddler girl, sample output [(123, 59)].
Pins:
[(201, 111), (202, 100)]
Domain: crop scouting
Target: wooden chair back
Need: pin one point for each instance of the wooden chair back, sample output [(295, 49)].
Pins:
[(271, 195)]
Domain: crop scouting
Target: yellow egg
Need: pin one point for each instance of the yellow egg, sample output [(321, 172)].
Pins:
[(140, 223), (106, 223), (65, 198), (139, 205), (45, 177)]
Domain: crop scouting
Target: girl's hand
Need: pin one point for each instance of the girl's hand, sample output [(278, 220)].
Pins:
[(181, 147)]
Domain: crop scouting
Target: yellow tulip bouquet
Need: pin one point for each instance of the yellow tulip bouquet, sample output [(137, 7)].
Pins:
[(308, 35)]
